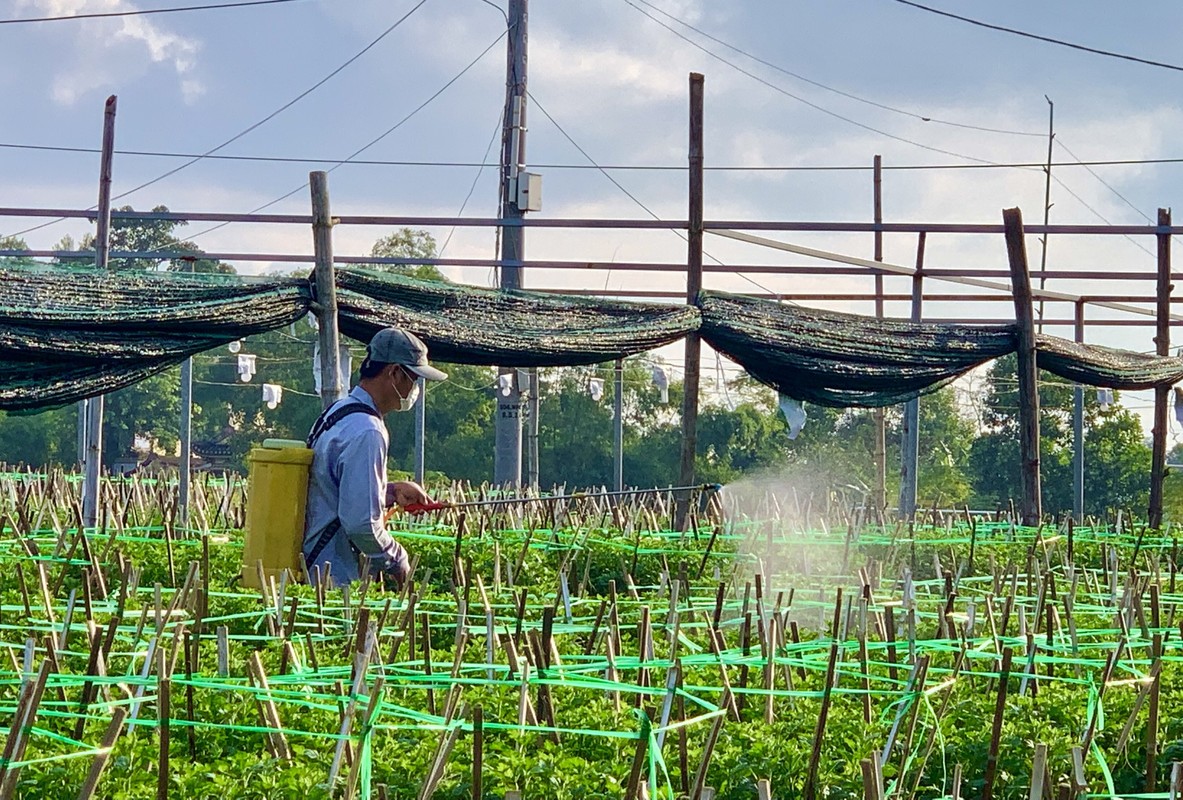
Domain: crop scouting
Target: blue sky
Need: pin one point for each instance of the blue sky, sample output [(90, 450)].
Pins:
[(616, 82)]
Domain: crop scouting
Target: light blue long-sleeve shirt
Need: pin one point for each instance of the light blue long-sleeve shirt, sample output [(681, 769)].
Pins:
[(348, 482)]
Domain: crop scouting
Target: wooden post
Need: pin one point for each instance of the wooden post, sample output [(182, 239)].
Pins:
[(879, 415), (1162, 345), (93, 462), (1030, 509), (910, 437), (693, 285), (326, 291)]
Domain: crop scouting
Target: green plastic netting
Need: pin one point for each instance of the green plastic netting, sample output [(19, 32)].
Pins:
[(69, 333), (469, 325), (842, 360)]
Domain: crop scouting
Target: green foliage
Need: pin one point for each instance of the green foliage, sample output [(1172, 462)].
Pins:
[(14, 243), (145, 236), (408, 243), (1116, 457)]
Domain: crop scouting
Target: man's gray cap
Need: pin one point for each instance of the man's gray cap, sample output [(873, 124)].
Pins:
[(396, 346)]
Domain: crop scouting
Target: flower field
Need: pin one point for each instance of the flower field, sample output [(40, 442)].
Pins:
[(581, 648)]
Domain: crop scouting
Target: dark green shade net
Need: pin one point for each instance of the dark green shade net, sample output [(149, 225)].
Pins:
[(66, 334), (469, 325), (843, 360), (1104, 366)]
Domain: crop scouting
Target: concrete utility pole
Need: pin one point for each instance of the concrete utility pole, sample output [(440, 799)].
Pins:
[(693, 356), (507, 456), (93, 464)]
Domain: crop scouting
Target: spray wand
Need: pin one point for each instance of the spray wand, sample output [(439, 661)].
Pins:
[(420, 508)]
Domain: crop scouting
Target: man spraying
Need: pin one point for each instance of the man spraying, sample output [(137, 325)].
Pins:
[(347, 487)]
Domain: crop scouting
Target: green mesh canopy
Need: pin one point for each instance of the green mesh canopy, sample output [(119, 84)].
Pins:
[(470, 325), (66, 333), (842, 360), (70, 333), (1106, 366)]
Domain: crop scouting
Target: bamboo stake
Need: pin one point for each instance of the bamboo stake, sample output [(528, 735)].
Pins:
[(277, 741), (697, 790), (810, 790), (996, 729), (18, 735), (1038, 772), (443, 750), (106, 747), (632, 787), (163, 712)]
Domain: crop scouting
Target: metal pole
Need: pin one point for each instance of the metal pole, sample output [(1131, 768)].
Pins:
[(532, 427), (1047, 199), (910, 439), (82, 411), (186, 437), (326, 291), (507, 455), (618, 428), (1162, 344), (1078, 430), (879, 415), (94, 413), (693, 286), (1031, 507), (421, 432)]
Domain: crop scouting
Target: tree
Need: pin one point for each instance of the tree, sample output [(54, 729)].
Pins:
[(40, 439), (1117, 460), (407, 243), (14, 243), (145, 236)]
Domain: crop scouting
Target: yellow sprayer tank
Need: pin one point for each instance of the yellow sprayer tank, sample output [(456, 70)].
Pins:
[(275, 510)]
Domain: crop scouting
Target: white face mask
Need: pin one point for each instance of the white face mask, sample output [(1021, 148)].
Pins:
[(408, 402)]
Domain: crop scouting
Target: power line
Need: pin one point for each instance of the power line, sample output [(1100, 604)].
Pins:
[(1037, 37), (476, 179), (1116, 162), (262, 121), (146, 11), (802, 100), (378, 138), (629, 194), (827, 88)]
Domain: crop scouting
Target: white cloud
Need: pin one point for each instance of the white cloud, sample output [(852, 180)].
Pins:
[(107, 52)]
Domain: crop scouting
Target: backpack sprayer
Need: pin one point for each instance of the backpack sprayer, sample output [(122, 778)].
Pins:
[(278, 495)]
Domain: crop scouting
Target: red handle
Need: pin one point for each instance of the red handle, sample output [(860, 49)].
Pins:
[(420, 508)]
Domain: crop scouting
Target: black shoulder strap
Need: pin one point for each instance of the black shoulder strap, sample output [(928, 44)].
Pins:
[(327, 420)]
